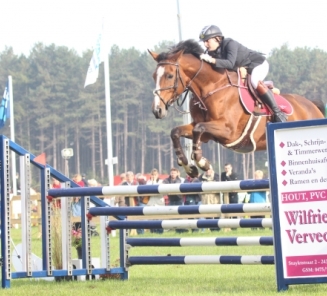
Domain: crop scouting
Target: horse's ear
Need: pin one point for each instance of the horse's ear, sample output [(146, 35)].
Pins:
[(154, 55)]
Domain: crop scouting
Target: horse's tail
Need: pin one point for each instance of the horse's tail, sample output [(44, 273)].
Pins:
[(320, 105)]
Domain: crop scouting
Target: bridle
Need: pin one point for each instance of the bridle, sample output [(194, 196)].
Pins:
[(187, 87), (175, 86)]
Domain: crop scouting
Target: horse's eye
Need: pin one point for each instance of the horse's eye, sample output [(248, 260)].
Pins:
[(170, 76)]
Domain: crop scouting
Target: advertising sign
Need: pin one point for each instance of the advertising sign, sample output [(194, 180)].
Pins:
[(298, 174)]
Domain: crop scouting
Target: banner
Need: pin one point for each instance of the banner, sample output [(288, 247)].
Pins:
[(4, 107), (97, 58)]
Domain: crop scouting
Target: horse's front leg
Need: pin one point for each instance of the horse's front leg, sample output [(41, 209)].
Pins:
[(184, 131), (198, 132)]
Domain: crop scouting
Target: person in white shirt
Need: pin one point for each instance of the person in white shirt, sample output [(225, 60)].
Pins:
[(155, 200)]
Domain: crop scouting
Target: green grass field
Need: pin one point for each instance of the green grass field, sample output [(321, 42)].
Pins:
[(171, 280)]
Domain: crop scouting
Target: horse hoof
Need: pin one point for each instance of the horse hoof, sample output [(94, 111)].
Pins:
[(193, 172), (203, 164), (179, 162)]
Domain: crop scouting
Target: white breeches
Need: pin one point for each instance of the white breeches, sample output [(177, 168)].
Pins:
[(259, 73)]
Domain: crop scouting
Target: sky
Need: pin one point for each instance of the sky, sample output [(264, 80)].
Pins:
[(258, 24)]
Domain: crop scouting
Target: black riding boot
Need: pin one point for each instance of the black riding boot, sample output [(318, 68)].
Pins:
[(268, 98)]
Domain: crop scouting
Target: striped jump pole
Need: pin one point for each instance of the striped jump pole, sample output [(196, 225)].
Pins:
[(200, 259), (163, 189), (199, 241), (180, 210), (193, 224)]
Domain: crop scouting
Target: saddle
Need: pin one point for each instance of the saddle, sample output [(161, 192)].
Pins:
[(252, 102)]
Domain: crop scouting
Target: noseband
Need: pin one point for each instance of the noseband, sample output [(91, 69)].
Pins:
[(175, 86)]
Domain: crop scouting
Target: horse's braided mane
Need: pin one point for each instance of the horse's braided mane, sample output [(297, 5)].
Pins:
[(189, 46)]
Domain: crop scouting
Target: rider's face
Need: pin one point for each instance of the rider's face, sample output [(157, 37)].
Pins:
[(211, 44)]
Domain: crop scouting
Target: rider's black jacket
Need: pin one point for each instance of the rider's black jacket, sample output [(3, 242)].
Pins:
[(232, 55)]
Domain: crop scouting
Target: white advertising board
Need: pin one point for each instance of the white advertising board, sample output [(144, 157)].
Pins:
[(298, 175)]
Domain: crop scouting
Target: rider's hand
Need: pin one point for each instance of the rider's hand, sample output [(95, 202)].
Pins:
[(206, 57)]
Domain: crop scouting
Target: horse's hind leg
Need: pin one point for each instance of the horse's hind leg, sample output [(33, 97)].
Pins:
[(176, 134)]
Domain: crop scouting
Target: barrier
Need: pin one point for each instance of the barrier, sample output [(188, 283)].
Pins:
[(210, 241), (181, 210), (89, 195), (192, 224), (244, 260)]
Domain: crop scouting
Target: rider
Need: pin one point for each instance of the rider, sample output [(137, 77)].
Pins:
[(229, 54)]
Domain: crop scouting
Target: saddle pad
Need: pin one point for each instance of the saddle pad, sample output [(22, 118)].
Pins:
[(248, 102)]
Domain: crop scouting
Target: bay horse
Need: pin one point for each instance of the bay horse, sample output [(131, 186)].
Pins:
[(215, 106)]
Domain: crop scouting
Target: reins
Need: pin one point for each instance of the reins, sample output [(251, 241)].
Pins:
[(223, 87)]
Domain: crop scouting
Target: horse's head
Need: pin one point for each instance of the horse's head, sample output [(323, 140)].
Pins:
[(169, 83)]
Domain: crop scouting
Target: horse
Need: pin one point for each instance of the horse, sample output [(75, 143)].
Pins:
[(215, 106)]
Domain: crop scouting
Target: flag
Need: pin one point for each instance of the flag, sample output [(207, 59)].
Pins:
[(97, 58), (41, 159), (4, 107)]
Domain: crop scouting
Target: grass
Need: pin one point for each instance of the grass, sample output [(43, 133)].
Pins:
[(171, 280)]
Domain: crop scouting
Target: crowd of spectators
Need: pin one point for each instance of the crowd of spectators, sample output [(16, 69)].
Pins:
[(131, 179), (174, 177)]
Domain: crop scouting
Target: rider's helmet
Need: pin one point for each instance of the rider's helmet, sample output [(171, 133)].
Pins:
[(209, 32)]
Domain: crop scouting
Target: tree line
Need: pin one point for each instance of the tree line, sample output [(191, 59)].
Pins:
[(53, 110)]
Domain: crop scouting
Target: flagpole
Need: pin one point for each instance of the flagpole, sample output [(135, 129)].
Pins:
[(12, 136), (101, 53), (110, 161), (108, 120), (186, 116)]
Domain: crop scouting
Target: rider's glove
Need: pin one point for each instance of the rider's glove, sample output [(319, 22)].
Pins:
[(206, 57)]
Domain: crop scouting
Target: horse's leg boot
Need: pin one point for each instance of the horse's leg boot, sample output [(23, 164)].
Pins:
[(268, 98)]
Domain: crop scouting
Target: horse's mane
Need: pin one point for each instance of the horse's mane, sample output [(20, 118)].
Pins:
[(189, 46)]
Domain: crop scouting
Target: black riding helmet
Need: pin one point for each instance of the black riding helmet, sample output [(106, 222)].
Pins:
[(209, 32)]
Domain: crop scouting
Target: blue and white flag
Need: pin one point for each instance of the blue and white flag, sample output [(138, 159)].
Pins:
[(5, 107), (97, 58)]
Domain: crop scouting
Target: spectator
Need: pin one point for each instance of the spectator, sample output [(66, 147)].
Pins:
[(142, 200), (130, 181), (76, 204), (141, 179), (122, 178), (192, 199), (210, 198), (93, 183), (56, 184), (228, 175), (120, 200), (84, 180), (174, 200), (155, 200), (78, 180), (258, 196)]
